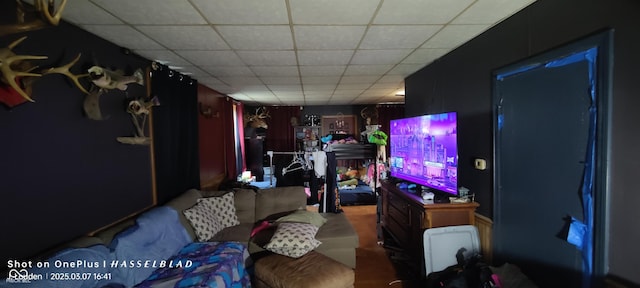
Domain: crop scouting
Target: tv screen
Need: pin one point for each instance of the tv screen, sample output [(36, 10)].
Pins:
[(424, 151)]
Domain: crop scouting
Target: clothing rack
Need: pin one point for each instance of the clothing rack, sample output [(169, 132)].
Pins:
[(271, 153)]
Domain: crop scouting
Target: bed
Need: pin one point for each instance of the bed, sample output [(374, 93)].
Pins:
[(356, 187)]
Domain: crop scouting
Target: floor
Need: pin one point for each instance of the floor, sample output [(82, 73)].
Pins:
[(373, 265)]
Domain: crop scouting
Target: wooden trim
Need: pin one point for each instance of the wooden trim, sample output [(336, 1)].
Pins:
[(485, 231)]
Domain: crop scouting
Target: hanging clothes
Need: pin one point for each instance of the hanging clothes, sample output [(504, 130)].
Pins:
[(332, 203)]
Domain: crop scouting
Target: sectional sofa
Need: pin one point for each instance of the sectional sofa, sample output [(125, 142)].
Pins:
[(165, 245)]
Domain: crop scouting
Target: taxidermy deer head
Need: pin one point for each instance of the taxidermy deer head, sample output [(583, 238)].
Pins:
[(43, 13), (257, 120), (16, 71), (369, 114)]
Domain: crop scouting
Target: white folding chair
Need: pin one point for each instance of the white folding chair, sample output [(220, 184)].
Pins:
[(441, 245)]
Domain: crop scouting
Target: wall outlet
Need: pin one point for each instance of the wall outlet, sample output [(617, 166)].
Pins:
[(480, 164)]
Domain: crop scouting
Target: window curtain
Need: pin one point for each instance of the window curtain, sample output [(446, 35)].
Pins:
[(280, 136), (386, 113), (175, 133), (234, 135)]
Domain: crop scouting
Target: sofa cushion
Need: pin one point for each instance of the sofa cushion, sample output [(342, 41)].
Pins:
[(223, 208), (304, 216), (184, 201), (203, 220), (245, 201), (293, 239), (281, 199), (239, 233), (337, 232)]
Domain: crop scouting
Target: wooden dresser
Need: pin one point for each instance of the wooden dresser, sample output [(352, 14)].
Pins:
[(405, 216)]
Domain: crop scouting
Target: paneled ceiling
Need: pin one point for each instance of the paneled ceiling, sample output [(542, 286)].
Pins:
[(293, 52)]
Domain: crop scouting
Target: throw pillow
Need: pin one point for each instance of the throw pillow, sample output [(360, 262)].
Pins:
[(304, 216), (224, 209), (293, 239), (203, 221)]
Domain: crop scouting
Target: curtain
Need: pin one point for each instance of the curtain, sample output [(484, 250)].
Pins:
[(386, 113), (280, 136), (175, 133), (234, 135)]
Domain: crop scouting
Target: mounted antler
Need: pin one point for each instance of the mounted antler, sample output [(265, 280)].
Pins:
[(64, 70), (43, 14), (257, 120), (9, 61), (15, 72), (369, 114)]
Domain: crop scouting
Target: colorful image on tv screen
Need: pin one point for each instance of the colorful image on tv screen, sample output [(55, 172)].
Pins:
[(423, 150)]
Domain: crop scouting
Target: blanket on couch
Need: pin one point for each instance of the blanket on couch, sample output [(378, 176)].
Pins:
[(206, 264)]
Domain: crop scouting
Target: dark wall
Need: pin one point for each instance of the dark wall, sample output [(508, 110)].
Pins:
[(63, 175), (461, 81)]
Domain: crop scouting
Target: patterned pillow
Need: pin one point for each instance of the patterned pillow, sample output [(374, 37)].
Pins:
[(224, 209), (203, 221), (293, 239)]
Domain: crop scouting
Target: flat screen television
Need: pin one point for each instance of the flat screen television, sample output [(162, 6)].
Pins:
[(424, 151)]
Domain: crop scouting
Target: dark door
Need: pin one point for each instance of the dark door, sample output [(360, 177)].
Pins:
[(543, 125)]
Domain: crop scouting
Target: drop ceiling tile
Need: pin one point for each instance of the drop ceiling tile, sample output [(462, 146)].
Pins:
[(265, 58), (185, 37), (290, 88), (334, 12), (164, 56), (320, 80), (377, 92), (240, 81), (420, 11), (318, 70), (398, 36), (152, 11), (281, 80), (277, 71), (388, 86), (324, 57), (347, 92), (367, 69), (212, 81), (255, 88), (288, 94), (325, 88), (193, 71), (225, 71), (244, 11), (353, 86), (260, 95), (123, 35), (84, 12), (328, 37), (490, 11), (392, 79), (211, 58), (452, 36), (405, 69), (425, 56), (257, 37), (365, 79), (379, 57)]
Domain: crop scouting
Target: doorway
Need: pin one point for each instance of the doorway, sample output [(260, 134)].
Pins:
[(550, 124)]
